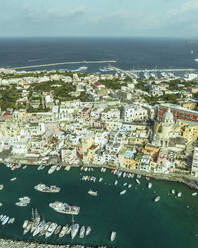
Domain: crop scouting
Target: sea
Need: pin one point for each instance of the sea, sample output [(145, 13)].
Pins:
[(138, 220), (129, 53)]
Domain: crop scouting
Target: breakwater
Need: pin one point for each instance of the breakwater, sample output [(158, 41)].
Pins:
[(64, 63)]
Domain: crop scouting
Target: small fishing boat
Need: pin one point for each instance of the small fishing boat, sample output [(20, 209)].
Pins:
[(13, 179), (123, 192), (137, 181), (179, 194), (194, 193), (157, 198), (149, 185), (116, 182), (173, 191)]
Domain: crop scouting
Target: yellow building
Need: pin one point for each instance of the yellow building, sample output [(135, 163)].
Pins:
[(131, 164), (152, 151), (189, 130)]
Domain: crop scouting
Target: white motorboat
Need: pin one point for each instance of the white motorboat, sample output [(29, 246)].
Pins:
[(194, 193), (157, 198), (116, 182), (179, 194), (92, 193), (113, 236), (13, 179), (149, 185), (123, 192), (137, 181)]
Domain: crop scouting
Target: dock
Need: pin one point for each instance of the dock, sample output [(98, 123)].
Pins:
[(65, 63)]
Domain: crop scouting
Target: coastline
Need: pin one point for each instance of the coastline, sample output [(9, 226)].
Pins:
[(188, 180)]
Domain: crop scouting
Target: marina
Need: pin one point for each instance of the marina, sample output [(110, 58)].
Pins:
[(88, 227)]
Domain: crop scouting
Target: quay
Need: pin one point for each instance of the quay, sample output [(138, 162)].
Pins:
[(64, 63), (153, 70), (20, 244)]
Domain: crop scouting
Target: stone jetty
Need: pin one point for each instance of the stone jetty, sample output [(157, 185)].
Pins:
[(20, 244)]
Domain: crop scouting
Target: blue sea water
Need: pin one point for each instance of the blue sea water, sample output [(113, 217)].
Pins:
[(138, 220), (130, 53)]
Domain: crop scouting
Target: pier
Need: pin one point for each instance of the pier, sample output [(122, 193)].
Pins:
[(64, 63)]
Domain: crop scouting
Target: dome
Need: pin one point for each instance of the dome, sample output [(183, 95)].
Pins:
[(168, 117)]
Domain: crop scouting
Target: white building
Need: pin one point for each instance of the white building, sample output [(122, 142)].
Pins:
[(134, 113)]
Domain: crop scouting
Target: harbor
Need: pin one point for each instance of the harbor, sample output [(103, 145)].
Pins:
[(122, 214)]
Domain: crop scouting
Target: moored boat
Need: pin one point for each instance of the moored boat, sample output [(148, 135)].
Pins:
[(74, 230), (63, 231), (57, 230), (82, 232), (5, 220), (149, 185), (194, 193), (137, 181), (88, 230)]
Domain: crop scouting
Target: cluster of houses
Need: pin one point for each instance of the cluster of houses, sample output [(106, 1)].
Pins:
[(107, 130)]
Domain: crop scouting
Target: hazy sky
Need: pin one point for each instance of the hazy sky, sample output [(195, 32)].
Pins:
[(171, 18)]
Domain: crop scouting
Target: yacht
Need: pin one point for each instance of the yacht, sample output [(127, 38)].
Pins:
[(74, 230), (47, 189), (69, 230), (82, 232), (27, 229), (21, 204), (92, 193), (113, 236), (51, 230), (88, 230), (64, 208)]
